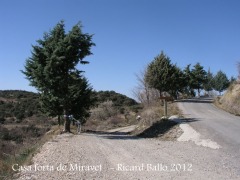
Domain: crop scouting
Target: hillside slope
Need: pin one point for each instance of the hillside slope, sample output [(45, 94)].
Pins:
[(230, 101)]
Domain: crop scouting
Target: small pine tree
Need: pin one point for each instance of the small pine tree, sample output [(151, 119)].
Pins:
[(164, 76), (199, 77), (177, 81), (208, 84), (189, 81), (221, 82), (159, 73)]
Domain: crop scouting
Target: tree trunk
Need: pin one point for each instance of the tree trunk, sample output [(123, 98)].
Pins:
[(165, 108), (160, 93), (59, 121), (67, 121)]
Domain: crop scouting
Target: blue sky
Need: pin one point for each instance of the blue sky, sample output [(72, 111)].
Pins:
[(128, 35)]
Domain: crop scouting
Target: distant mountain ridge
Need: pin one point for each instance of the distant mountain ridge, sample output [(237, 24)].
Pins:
[(15, 105), (117, 98), (18, 104)]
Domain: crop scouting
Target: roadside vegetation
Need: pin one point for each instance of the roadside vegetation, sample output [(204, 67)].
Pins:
[(111, 110), (19, 144), (230, 101), (24, 126), (153, 124), (163, 78)]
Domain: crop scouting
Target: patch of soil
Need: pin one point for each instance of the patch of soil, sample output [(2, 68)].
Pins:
[(172, 134)]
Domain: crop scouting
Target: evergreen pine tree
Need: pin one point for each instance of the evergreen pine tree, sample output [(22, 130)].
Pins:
[(176, 81), (199, 77), (157, 75), (189, 81), (221, 82), (162, 75), (208, 84), (52, 71)]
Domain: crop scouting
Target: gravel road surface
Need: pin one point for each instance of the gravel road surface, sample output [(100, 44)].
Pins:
[(116, 155)]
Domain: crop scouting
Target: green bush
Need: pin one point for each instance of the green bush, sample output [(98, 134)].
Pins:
[(19, 115), (136, 108), (13, 135)]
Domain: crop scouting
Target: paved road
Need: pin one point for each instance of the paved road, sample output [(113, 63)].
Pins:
[(214, 123), (210, 120)]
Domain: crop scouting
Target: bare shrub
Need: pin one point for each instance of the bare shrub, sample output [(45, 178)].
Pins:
[(151, 115), (103, 111), (91, 125), (116, 120), (142, 92)]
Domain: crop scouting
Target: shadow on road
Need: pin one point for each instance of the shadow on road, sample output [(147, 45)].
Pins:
[(158, 129), (120, 137), (189, 120), (114, 135), (196, 100)]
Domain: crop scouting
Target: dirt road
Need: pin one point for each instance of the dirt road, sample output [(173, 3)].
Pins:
[(116, 155)]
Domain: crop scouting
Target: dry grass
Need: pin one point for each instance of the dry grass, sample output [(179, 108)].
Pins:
[(230, 101), (22, 153), (106, 116), (152, 124), (154, 113), (110, 123)]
